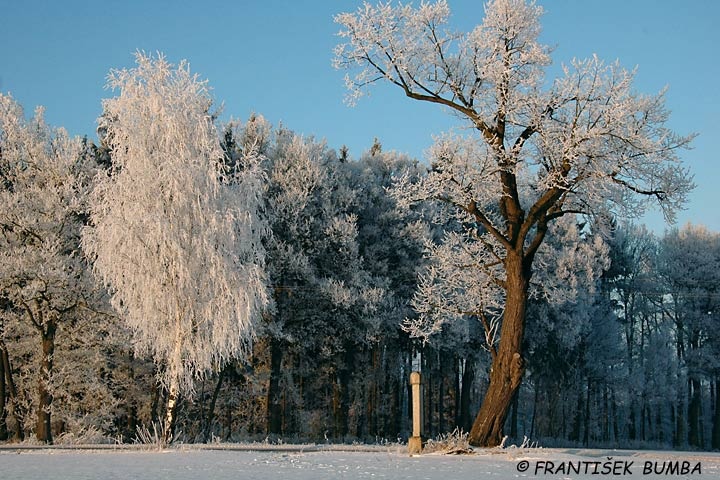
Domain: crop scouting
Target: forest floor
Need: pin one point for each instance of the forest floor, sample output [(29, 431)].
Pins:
[(317, 462)]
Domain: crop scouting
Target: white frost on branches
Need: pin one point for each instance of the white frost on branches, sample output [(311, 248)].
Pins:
[(44, 180), (175, 238), (585, 144)]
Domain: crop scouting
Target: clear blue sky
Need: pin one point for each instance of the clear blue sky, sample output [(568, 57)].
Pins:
[(273, 57)]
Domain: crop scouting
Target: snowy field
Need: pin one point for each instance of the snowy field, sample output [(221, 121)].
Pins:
[(320, 463)]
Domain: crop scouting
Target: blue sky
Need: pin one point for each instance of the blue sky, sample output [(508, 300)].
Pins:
[(273, 57)]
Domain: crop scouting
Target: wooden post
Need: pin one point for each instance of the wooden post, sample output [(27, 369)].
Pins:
[(415, 442)]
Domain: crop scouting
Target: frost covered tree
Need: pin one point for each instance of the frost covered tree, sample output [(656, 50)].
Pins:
[(45, 178), (573, 339), (321, 290), (689, 265), (636, 288), (175, 235), (585, 143), (340, 264)]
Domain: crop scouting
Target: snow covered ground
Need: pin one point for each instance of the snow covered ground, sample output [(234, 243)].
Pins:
[(319, 463)]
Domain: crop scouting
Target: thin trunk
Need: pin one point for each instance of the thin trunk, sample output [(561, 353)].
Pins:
[(155, 402), (170, 412), (3, 404), (427, 393), (466, 387), (132, 422), (393, 422), (586, 439), (615, 421), (373, 412), (606, 415), (211, 410), (11, 393), (694, 414), (535, 403), (408, 393), (336, 407), (716, 417), (228, 422), (632, 429), (644, 419), (577, 422), (43, 430), (344, 378), (507, 367), (274, 412), (441, 393), (457, 366), (680, 425), (173, 392)]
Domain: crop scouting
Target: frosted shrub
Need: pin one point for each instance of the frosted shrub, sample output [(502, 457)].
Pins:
[(453, 443)]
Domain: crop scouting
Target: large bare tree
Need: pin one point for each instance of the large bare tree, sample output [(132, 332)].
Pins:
[(585, 143)]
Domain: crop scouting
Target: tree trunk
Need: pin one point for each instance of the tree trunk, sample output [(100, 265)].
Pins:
[(586, 438), (132, 420), (606, 415), (170, 411), (211, 409), (43, 431), (155, 402), (441, 393), (427, 392), (694, 414), (393, 421), (535, 404), (465, 389), (507, 366), (3, 404), (577, 422), (344, 378), (11, 392), (716, 417), (274, 412)]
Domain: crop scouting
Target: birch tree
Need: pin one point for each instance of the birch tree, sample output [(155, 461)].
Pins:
[(585, 143), (176, 236)]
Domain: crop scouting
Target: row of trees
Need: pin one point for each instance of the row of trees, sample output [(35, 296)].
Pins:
[(205, 244), (622, 345)]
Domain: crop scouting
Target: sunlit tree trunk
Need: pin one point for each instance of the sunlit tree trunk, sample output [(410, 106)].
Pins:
[(507, 366), (170, 411)]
